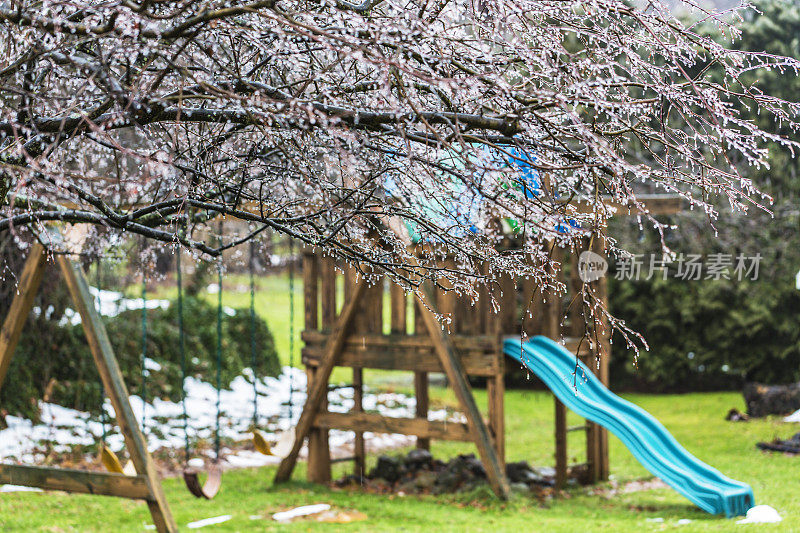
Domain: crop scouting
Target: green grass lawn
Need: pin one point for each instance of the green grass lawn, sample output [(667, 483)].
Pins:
[(696, 420)]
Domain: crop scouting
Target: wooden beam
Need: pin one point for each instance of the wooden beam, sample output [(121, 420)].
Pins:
[(376, 423), (79, 481), (114, 384), (458, 380), (318, 391), (402, 352), (21, 305)]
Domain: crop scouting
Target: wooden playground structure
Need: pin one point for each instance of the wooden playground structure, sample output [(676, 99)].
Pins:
[(414, 341)]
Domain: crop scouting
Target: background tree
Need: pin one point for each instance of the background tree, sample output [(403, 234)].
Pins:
[(339, 124), (713, 334)]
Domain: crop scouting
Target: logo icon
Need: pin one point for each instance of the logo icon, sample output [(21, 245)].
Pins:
[(591, 266)]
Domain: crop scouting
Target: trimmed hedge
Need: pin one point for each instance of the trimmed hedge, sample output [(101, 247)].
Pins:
[(54, 362)]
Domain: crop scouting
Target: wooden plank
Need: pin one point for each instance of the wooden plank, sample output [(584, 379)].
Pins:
[(445, 301), (458, 380), (376, 423), (423, 402), (318, 391), (29, 281), (360, 448), (310, 290), (398, 308), (328, 291), (377, 341), (506, 293), (378, 352), (78, 481), (114, 384), (375, 308)]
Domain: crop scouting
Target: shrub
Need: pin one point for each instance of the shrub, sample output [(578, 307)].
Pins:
[(54, 360)]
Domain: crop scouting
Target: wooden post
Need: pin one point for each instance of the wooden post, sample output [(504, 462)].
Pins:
[(495, 392), (421, 380), (551, 328), (20, 308), (114, 385), (561, 444), (604, 334), (458, 380), (319, 389), (360, 451), (319, 451)]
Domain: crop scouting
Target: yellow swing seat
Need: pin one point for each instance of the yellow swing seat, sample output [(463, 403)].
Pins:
[(112, 463), (261, 444)]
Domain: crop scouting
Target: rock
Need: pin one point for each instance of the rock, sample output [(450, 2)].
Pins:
[(388, 468), (418, 459), (474, 465), (763, 400), (518, 472), (734, 415), (425, 481), (449, 480), (408, 486), (519, 487), (522, 472)]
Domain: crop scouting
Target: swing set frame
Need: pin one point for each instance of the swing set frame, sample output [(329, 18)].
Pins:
[(146, 484)]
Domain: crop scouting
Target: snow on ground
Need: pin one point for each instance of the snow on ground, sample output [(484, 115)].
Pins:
[(63, 428), (793, 418)]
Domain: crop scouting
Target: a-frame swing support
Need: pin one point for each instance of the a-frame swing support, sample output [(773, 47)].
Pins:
[(146, 485)]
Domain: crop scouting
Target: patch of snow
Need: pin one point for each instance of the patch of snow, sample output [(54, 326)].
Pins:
[(108, 303), (18, 488), (304, 510), (62, 428), (794, 417), (209, 521), (684, 522), (213, 288), (761, 514)]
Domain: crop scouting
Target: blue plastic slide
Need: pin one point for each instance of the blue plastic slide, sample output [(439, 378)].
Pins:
[(644, 436)]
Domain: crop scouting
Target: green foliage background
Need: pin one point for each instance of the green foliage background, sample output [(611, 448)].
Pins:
[(55, 361), (716, 334)]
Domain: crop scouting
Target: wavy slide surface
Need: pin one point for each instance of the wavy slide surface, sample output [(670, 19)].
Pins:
[(643, 435)]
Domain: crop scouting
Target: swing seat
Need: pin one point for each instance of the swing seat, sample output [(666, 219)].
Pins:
[(261, 444), (112, 463), (206, 490), (110, 460), (284, 444)]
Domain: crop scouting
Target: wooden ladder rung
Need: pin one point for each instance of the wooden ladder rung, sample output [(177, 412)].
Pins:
[(71, 480), (579, 427)]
